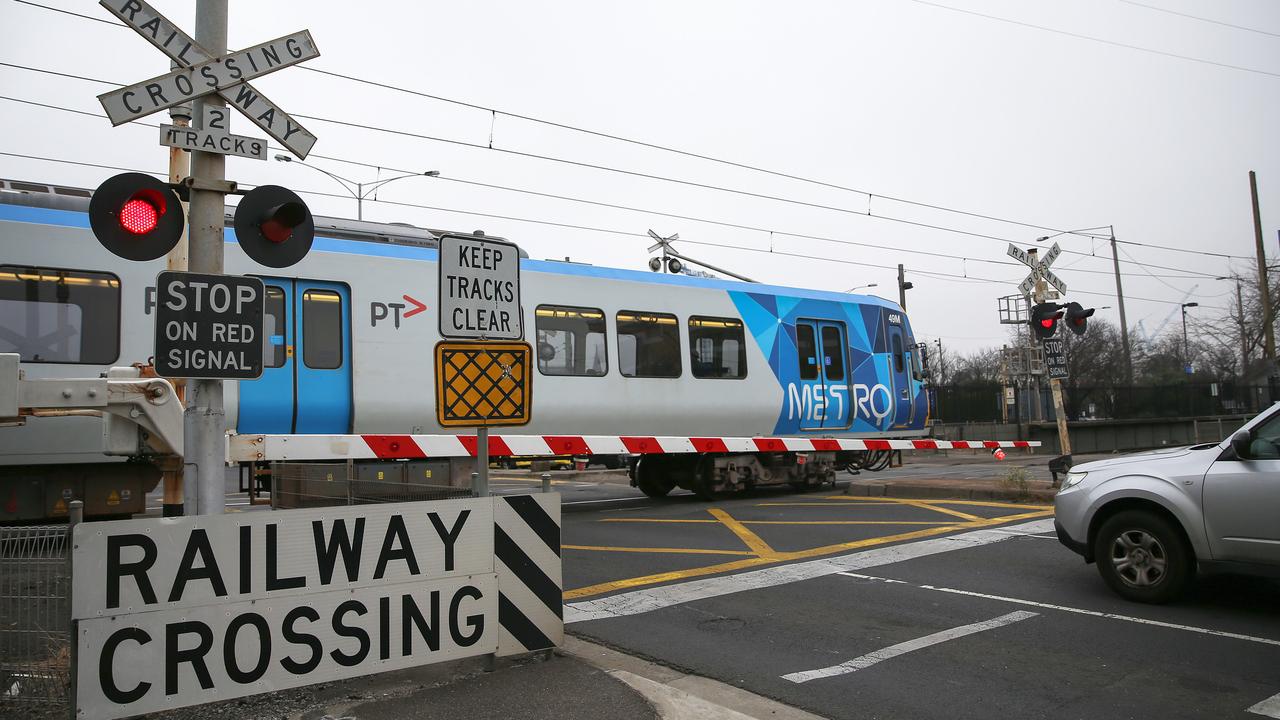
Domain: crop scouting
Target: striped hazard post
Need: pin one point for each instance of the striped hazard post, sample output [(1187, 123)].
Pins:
[(526, 548)]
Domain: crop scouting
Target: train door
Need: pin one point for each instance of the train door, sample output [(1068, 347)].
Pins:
[(306, 379), (820, 346), (900, 372)]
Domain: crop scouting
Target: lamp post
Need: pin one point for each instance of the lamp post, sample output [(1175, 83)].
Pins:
[(1185, 352), (360, 193), (862, 287)]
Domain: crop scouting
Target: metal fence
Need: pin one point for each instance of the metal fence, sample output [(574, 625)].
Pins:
[(985, 402), (35, 618), (305, 485)]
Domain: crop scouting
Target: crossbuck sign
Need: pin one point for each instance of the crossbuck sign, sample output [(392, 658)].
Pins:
[(200, 74), (1039, 269)]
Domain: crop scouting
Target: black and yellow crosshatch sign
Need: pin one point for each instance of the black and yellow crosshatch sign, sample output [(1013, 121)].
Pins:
[(480, 384)]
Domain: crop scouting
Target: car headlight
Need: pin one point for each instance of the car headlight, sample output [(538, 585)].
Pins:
[(1073, 479)]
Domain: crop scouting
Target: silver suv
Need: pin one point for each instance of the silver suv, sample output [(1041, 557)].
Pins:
[(1150, 520)]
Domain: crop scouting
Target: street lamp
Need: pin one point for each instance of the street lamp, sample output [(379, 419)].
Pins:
[(1185, 352), (360, 193), (862, 287)]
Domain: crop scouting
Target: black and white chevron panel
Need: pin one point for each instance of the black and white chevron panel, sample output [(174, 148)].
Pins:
[(526, 546)]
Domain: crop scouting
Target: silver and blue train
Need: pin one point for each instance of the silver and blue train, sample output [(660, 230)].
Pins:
[(351, 328)]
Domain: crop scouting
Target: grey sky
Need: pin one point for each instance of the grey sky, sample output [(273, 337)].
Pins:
[(895, 97)]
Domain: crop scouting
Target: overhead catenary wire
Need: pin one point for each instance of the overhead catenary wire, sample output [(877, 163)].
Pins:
[(722, 223), (1201, 19), (528, 118), (629, 233)]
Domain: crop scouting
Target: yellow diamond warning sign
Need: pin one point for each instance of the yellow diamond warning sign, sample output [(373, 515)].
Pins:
[(481, 384)]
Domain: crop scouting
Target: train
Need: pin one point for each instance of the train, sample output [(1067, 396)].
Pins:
[(348, 349)]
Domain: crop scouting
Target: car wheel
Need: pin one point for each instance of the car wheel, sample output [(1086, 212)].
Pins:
[(1143, 557)]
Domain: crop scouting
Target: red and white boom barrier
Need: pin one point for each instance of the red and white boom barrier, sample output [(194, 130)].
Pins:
[(262, 448)]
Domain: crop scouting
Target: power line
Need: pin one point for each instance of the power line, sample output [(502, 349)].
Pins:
[(613, 231), (494, 111), (1201, 19), (675, 215), (1097, 39)]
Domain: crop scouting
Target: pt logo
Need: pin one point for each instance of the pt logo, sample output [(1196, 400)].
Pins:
[(379, 312)]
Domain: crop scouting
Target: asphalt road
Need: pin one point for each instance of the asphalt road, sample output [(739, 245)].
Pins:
[(894, 608)]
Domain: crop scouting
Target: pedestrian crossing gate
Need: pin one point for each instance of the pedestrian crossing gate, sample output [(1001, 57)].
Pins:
[(483, 384), (173, 612)]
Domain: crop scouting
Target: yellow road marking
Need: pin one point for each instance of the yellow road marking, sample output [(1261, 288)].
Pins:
[(783, 522), (750, 539), (861, 499), (941, 509), (819, 504), (846, 522), (614, 585), (657, 520), (681, 551)]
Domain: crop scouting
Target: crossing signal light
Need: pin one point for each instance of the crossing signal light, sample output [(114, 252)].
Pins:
[(1078, 317), (136, 216), (274, 226), (1044, 319)]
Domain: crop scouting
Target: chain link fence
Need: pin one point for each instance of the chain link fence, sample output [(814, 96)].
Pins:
[(35, 595)]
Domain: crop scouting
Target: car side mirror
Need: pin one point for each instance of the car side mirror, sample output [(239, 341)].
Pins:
[(1240, 443)]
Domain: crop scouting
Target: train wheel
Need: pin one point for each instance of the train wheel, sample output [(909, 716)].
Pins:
[(650, 479)]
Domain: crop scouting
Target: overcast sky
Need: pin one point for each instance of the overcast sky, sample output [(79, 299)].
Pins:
[(1032, 111)]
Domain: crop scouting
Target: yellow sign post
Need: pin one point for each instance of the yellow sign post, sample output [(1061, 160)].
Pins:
[(483, 384)]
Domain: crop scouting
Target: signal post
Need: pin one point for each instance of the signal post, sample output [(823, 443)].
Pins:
[(139, 218)]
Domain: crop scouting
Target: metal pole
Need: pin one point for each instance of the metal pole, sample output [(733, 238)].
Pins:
[(1264, 289), (546, 482), (480, 479), (75, 517), (179, 168), (204, 422), (902, 287), (1124, 324), (1185, 351), (360, 201), (1244, 348)]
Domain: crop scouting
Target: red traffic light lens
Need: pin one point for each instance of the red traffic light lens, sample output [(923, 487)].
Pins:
[(1048, 322), (139, 216)]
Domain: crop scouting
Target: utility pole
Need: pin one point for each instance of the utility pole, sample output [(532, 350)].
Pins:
[(204, 422), (1124, 323), (1264, 290), (1244, 347), (179, 169), (903, 287)]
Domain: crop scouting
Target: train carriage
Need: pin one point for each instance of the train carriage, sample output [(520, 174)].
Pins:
[(350, 331)]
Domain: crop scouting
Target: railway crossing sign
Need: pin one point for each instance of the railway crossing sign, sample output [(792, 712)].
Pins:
[(200, 73), (213, 137), (1055, 358), (209, 326), (1039, 269), (479, 288), (480, 384)]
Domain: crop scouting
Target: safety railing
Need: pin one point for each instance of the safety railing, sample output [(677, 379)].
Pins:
[(35, 590)]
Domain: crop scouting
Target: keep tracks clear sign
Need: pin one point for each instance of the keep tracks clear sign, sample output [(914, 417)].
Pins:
[(183, 611), (479, 288)]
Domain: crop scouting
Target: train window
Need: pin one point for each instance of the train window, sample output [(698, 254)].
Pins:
[(50, 315), (717, 347), (897, 353), (571, 341), (807, 351), (648, 345), (322, 329), (273, 331), (833, 352)]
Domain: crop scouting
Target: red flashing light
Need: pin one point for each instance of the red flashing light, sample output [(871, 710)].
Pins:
[(139, 216), (1048, 322)]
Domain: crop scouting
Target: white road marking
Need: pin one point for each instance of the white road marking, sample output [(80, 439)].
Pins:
[(1026, 534), (1092, 613), (656, 598), (887, 581), (1267, 708), (866, 661)]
